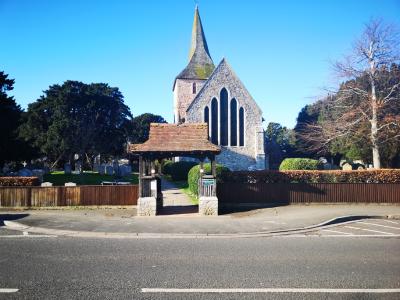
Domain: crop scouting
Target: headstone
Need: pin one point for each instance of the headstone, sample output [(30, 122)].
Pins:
[(78, 167), (347, 167), (25, 172), (67, 168), (38, 173), (46, 184), (109, 170), (70, 184), (115, 166), (102, 169)]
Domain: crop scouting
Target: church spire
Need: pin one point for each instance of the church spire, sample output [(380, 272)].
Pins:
[(200, 63), (199, 43)]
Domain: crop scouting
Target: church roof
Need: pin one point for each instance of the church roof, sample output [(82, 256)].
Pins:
[(225, 71), (183, 138), (200, 63)]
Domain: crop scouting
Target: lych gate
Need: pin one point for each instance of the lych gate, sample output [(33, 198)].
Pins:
[(175, 140)]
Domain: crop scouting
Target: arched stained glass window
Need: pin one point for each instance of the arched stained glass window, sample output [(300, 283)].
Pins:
[(206, 115), (214, 121), (241, 126), (233, 122), (224, 117)]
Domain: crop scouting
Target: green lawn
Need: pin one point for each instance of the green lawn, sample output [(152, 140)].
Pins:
[(86, 178)]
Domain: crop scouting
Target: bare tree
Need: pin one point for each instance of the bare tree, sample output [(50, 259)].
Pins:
[(365, 97)]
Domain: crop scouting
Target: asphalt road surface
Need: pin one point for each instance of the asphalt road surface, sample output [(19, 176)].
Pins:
[(316, 266)]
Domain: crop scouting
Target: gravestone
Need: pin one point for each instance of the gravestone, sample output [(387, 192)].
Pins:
[(67, 168), (347, 167), (38, 173), (25, 172), (78, 167), (109, 170), (70, 184), (102, 169), (46, 184)]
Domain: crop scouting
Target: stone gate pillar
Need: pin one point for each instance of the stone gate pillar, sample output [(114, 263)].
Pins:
[(148, 189), (208, 201)]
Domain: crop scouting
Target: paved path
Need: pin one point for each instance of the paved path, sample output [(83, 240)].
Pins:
[(175, 201), (126, 221)]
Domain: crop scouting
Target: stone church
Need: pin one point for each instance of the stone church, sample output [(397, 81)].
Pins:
[(204, 93)]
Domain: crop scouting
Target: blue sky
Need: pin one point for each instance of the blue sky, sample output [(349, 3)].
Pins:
[(281, 50)]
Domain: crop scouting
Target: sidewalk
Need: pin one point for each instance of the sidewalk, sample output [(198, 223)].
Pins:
[(115, 220)]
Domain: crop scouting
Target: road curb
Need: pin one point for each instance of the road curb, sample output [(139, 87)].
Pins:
[(135, 235)]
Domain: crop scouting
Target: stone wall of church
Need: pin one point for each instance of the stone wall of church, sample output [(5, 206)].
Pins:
[(183, 96), (251, 155)]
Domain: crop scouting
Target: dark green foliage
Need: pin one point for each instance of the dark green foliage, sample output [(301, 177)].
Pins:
[(279, 144), (179, 170), (140, 127), (87, 119), (166, 167), (309, 176), (12, 148), (299, 164), (194, 175)]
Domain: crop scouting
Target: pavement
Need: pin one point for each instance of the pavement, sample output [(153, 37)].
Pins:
[(123, 222)]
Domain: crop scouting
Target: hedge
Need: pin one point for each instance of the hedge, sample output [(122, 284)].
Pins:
[(331, 176), (194, 175), (299, 164), (179, 170), (19, 181)]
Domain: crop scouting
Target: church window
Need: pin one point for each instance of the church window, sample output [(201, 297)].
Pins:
[(206, 114), (233, 122), (224, 117), (241, 126), (194, 88), (214, 121)]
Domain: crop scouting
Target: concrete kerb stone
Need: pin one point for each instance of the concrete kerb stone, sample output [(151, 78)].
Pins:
[(12, 225)]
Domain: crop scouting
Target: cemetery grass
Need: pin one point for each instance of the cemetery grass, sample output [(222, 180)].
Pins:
[(58, 178)]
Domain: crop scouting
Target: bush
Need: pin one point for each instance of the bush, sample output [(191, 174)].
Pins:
[(166, 167), (19, 181), (179, 170), (331, 176), (194, 175), (299, 164)]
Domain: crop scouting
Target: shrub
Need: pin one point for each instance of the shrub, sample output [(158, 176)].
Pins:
[(194, 175), (166, 167), (307, 176), (179, 170), (19, 181), (299, 164)]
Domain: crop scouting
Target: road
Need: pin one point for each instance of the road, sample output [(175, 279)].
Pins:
[(301, 266)]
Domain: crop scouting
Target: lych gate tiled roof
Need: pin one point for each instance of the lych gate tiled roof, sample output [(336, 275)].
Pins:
[(189, 138), (200, 63)]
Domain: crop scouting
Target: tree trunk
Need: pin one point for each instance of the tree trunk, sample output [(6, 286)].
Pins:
[(374, 126), (375, 148)]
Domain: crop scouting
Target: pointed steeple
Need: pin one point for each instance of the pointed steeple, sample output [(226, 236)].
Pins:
[(200, 63)]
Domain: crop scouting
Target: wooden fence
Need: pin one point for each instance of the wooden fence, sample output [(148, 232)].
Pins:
[(68, 196), (287, 193)]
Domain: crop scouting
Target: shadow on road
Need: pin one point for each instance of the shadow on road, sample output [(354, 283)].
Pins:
[(11, 217), (178, 210)]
